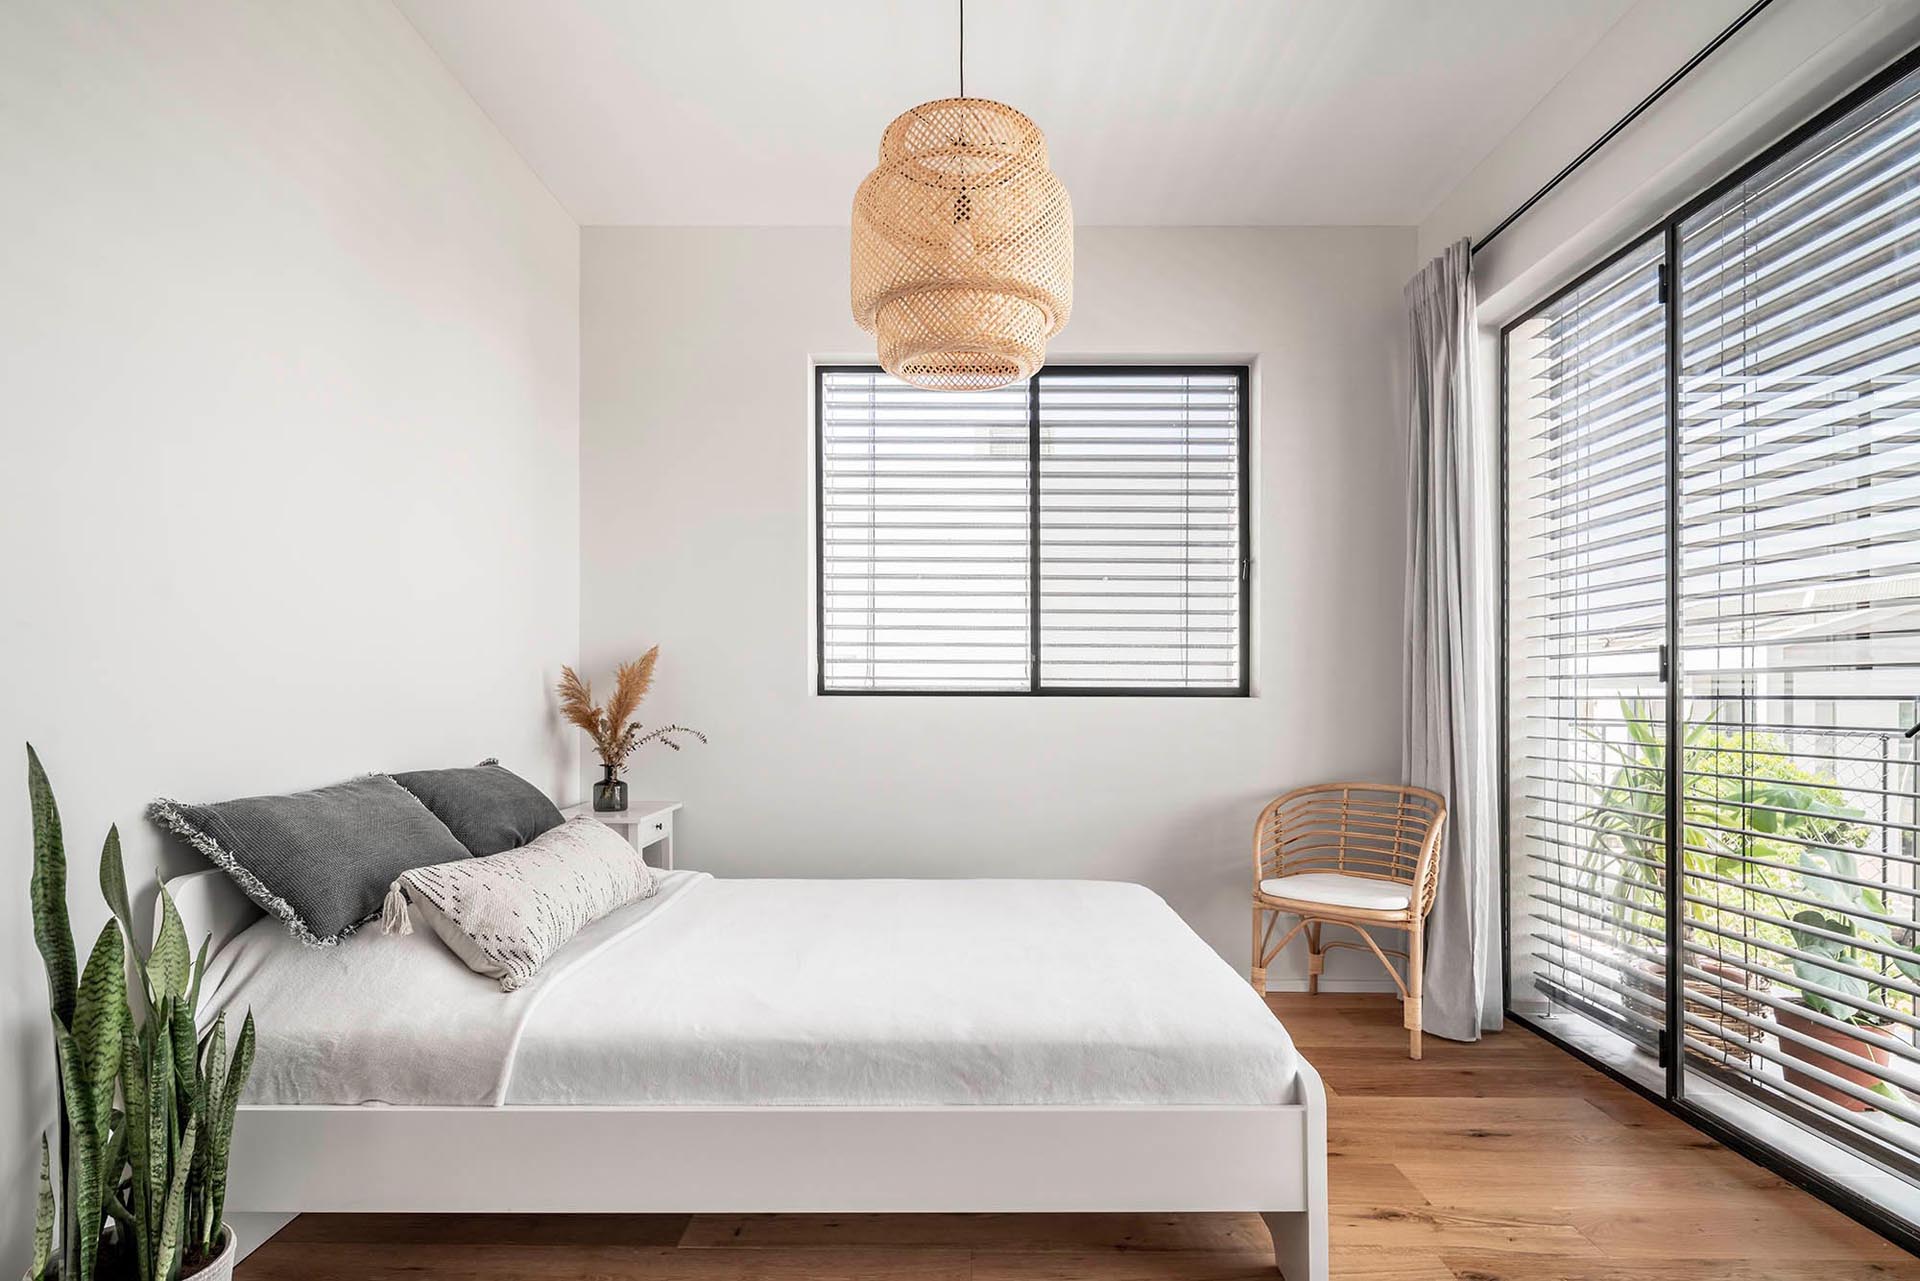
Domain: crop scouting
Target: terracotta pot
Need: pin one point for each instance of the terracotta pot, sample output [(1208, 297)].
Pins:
[(1864, 1042)]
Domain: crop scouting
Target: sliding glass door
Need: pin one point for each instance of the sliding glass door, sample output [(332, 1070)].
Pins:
[(1799, 629), (1587, 565), (1713, 613)]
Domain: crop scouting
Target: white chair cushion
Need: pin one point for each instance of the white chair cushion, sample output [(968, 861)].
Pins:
[(1337, 889)]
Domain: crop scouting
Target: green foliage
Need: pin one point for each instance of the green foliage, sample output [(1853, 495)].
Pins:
[(88, 1055), (43, 1217), (82, 1163), (1829, 990), (225, 1078), (99, 1018), (1760, 833), (157, 1170), (113, 882), (52, 932), (170, 965), (1749, 815), (53, 935)]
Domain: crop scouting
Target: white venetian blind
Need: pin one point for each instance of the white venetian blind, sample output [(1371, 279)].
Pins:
[(930, 578), (924, 550), (1587, 548), (1141, 558), (1799, 494)]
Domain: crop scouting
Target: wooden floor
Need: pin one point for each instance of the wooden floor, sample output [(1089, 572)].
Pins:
[(1502, 1161)]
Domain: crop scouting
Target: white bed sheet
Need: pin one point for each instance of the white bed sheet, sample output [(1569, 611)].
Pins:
[(394, 1018), (862, 993), (878, 993)]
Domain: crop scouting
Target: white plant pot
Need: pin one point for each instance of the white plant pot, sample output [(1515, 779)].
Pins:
[(221, 1269)]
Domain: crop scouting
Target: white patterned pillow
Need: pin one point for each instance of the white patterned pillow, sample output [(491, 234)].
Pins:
[(506, 913)]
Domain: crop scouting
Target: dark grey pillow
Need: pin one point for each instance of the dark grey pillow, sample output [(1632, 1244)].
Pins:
[(322, 860), (488, 809)]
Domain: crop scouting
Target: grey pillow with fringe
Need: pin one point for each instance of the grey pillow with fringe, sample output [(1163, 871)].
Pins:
[(488, 807), (322, 860)]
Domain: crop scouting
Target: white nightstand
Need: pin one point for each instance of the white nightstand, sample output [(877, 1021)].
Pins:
[(646, 823)]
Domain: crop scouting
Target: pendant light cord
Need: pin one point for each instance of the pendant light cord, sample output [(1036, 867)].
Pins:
[(963, 48)]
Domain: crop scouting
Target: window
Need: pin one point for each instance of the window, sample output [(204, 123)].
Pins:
[(1713, 547), (1799, 624), (1083, 532), (1587, 539)]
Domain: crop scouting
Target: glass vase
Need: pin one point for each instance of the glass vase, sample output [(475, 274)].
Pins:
[(610, 793)]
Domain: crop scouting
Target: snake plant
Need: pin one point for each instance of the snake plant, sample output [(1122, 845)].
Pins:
[(156, 1166)]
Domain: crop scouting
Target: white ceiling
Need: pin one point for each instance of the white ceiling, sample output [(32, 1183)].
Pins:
[(1168, 112)]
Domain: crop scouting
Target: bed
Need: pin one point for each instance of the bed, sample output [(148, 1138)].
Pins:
[(739, 1046)]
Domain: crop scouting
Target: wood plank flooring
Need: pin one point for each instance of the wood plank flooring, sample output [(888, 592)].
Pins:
[(1502, 1161)]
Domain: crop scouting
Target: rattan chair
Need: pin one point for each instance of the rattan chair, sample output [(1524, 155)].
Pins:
[(1352, 854)]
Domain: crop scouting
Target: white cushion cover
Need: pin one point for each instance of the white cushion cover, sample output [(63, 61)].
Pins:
[(505, 914), (1337, 889)]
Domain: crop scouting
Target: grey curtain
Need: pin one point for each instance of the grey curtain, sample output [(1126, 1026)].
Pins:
[(1452, 613)]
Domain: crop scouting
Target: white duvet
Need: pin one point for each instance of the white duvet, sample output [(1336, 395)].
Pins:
[(867, 993)]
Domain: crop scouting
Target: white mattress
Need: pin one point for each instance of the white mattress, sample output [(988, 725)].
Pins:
[(867, 993)]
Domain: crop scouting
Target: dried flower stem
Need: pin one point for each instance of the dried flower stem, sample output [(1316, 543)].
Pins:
[(615, 734)]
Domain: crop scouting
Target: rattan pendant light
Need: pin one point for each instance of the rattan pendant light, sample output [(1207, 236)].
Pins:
[(962, 245)]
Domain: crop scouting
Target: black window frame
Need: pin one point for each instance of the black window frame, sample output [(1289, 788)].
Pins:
[(1672, 1094), (1241, 373)]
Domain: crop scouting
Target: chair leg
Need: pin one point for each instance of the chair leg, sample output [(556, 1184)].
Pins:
[(1416, 964), (1316, 959), (1259, 973)]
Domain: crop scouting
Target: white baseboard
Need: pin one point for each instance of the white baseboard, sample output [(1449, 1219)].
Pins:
[(254, 1230), (1333, 985)]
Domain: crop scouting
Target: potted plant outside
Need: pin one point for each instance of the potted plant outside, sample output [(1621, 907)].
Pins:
[(1750, 816), (133, 1181), (1834, 1008)]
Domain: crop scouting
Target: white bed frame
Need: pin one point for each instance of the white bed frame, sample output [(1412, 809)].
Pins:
[(833, 1160)]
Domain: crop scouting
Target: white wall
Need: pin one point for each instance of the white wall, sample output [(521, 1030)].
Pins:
[(695, 449), (288, 438), (1784, 66)]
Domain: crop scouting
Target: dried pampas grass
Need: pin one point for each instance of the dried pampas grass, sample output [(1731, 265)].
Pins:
[(614, 732)]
